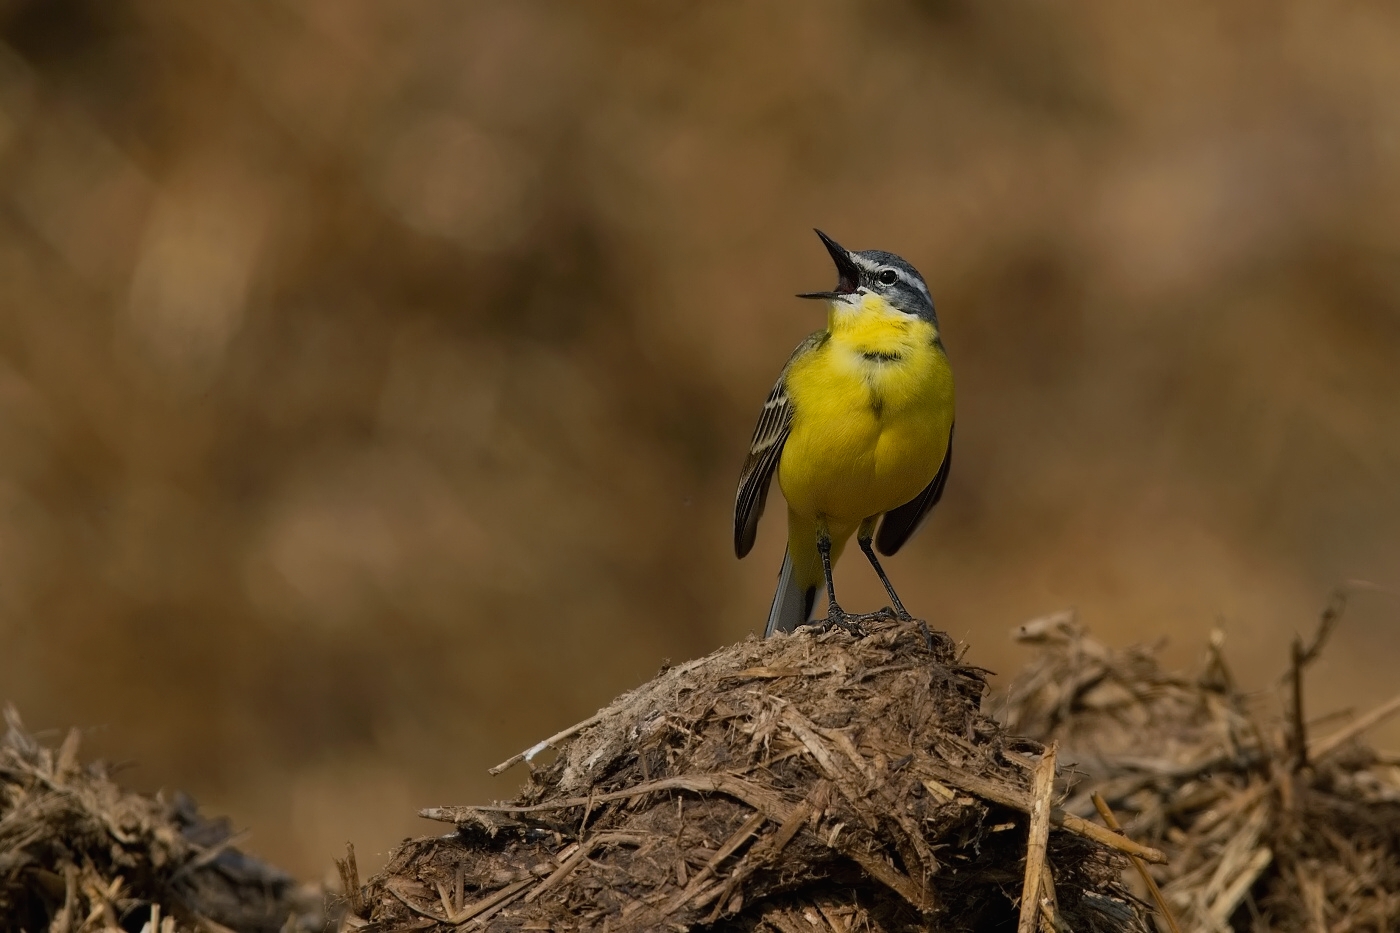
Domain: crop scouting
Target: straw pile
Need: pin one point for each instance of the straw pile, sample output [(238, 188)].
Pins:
[(817, 782), (1266, 828), (822, 782), (78, 854)]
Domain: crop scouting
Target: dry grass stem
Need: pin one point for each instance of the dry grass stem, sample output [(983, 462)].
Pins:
[(1163, 910), (1326, 746), (539, 747), (1042, 789)]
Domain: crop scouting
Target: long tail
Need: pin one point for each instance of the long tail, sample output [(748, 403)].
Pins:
[(792, 603)]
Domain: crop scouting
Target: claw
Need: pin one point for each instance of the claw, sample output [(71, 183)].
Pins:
[(838, 618)]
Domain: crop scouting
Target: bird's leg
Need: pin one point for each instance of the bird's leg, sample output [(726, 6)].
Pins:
[(835, 615), (864, 536)]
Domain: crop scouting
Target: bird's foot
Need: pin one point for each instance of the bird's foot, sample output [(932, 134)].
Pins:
[(836, 617), (849, 622)]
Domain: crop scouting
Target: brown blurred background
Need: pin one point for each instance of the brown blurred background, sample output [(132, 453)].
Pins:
[(374, 376)]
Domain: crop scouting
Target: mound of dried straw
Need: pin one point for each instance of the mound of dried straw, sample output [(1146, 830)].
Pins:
[(820, 783), (813, 782)]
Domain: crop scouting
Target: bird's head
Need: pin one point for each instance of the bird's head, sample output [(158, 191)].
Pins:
[(878, 273)]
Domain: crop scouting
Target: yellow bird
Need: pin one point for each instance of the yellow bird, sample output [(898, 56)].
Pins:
[(859, 429)]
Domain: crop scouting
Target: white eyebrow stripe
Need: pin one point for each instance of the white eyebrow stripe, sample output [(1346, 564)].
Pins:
[(913, 280)]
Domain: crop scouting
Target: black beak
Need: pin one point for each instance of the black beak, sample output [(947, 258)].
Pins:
[(845, 268)]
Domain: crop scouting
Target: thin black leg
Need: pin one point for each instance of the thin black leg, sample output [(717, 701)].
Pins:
[(864, 538), (824, 549), (835, 615)]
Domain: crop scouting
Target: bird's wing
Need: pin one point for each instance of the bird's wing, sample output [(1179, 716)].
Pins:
[(899, 524), (764, 451)]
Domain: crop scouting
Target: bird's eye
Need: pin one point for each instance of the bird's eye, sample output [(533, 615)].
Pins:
[(888, 277)]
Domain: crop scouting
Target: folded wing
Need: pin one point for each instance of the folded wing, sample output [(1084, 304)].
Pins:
[(764, 452), (754, 479)]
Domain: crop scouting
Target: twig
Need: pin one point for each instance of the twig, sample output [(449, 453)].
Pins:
[(806, 733), (760, 798), (767, 850), (101, 896), (740, 836), (1042, 787), (530, 753), (1051, 918), (481, 911), (1229, 899), (350, 880), (66, 764), (1050, 901), (811, 735), (747, 866), (789, 827), (1233, 859), (393, 888), (999, 793), (1082, 827), (1241, 801), (1324, 747), (587, 812), (1331, 615), (1112, 822), (1217, 665), (917, 896), (63, 919), (573, 861), (1299, 736)]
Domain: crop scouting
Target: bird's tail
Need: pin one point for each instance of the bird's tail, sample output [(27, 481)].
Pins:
[(802, 575), (792, 603)]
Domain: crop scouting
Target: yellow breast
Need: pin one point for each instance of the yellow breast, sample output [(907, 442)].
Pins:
[(872, 411)]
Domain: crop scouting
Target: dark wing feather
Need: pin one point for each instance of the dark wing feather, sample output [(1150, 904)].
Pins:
[(899, 524), (764, 451)]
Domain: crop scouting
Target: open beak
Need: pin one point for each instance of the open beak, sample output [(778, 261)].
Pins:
[(845, 268)]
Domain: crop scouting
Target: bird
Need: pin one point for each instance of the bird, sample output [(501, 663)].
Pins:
[(858, 429)]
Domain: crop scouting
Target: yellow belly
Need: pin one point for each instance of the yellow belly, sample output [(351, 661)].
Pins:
[(868, 433)]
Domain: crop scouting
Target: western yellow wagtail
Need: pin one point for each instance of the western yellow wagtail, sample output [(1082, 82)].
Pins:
[(858, 427)]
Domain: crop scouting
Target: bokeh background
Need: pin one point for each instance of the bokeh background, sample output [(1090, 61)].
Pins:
[(374, 376)]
